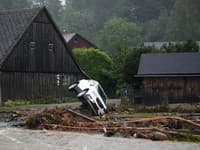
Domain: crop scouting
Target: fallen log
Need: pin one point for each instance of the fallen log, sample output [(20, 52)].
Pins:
[(142, 121)]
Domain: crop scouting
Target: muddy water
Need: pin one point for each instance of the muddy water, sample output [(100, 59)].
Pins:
[(22, 139)]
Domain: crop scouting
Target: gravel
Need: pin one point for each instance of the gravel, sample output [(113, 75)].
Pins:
[(23, 139)]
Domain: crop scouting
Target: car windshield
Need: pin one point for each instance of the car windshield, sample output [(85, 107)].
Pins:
[(102, 94)]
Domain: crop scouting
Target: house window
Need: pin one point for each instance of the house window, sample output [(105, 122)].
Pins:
[(76, 40), (51, 47), (32, 45), (58, 80)]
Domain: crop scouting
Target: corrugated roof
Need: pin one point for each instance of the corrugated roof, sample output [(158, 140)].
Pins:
[(12, 25), (169, 64), (68, 36)]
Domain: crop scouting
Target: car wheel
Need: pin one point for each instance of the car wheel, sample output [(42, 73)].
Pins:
[(71, 87), (81, 94)]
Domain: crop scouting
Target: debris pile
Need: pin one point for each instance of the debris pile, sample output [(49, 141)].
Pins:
[(56, 116), (155, 128)]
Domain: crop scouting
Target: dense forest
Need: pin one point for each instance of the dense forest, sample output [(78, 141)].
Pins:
[(119, 28), (110, 23)]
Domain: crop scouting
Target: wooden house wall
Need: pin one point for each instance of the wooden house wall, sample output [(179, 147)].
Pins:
[(171, 90), (35, 85), (26, 58), (32, 71)]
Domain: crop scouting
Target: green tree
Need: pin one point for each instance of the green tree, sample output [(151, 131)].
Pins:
[(144, 10), (187, 46), (119, 58), (78, 21), (54, 6), (155, 30), (184, 21), (102, 10), (118, 33), (97, 65), (14, 4), (132, 61)]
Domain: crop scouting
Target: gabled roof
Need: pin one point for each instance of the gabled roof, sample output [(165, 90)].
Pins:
[(68, 36), (12, 25), (170, 64)]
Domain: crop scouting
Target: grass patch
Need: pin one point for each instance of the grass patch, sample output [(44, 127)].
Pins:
[(186, 138), (3, 107), (45, 100), (17, 102), (135, 115)]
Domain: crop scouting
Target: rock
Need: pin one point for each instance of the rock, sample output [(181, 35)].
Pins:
[(159, 136), (109, 134)]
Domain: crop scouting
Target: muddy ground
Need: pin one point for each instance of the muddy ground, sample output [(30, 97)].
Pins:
[(23, 139)]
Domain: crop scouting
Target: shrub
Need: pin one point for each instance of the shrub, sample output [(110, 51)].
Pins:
[(97, 65), (16, 102)]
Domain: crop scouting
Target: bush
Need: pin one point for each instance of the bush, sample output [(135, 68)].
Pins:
[(44, 100), (187, 46), (16, 102), (97, 65)]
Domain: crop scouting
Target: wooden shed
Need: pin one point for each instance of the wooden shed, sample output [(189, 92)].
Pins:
[(75, 40), (170, 78), (34, 58)]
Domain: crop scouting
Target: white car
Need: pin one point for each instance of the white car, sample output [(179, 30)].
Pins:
[(90, 92)]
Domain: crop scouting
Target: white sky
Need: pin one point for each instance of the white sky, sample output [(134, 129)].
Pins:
[(63, 2)]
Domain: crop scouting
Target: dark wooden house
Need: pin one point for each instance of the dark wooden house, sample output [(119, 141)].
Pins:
[(34, 58), (170, 78), (75, 40)]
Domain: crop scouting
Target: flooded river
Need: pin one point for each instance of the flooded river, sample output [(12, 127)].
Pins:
[(23, 139)]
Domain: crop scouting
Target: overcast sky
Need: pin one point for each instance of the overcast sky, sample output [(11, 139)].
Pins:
[(63, 2)]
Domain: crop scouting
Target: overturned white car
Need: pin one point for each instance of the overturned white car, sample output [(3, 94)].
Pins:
[(90, 92)]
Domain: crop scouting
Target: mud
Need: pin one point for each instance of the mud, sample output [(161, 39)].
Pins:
[(23, 139)]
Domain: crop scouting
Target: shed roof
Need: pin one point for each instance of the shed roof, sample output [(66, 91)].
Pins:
[(13, 24), (70, 36), (171, 64)]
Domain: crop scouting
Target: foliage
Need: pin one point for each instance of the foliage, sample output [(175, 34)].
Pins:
[(97, 64), (44, 100), (187, 46), (155, 29), (118, 33), (132, 61), (16, 102), (54, 6), (14, 4), (81, 21), (102, 10), (119, 58), (184, 21), (170, 20), (146, 10), (186, 138)]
